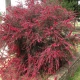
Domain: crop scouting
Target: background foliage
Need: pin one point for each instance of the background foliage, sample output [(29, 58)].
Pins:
[(70, 4)]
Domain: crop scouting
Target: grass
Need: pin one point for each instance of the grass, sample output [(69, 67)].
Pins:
[(76, 75)]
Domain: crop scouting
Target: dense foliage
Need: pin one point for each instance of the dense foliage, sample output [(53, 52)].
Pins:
[(40, 37), (70, 5)]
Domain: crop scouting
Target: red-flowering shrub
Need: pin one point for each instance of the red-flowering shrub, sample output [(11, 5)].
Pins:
[(39, 36)]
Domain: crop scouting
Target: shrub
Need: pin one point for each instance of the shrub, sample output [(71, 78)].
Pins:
[(40, 38)]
